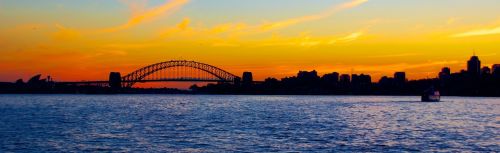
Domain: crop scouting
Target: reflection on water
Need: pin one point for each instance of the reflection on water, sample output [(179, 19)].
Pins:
[(189, 123)]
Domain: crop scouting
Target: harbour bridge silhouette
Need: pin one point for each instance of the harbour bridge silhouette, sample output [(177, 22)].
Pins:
[(169, 71)]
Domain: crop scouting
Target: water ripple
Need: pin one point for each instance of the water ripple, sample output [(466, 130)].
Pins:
[(186, 123)]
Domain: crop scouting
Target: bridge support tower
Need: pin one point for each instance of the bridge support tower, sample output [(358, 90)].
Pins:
[(115, 81)]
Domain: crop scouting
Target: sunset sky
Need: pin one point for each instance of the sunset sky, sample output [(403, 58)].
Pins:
[(86, 39)]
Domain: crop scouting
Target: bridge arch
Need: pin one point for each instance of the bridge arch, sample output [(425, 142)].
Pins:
[(141, 74)]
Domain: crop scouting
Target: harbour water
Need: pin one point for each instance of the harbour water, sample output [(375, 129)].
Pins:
[(214, 123)]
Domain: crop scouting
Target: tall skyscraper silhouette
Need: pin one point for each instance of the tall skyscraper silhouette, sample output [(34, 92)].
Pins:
[(474, 66)]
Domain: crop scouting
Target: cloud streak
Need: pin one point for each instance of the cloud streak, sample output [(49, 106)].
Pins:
[(348, 38), (139, 17), (394, 55), (135, 6), (307, 41), (329, 12), (239, 29), (479, 32), (65, 34)]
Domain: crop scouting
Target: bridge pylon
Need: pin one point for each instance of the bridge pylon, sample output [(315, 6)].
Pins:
[(115, 80)]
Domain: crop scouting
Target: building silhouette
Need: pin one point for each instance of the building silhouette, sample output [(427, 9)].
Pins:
[(445, 73), (496, 70), (485, 71), (474, 66), (400, 77), (345, 79), (399, 80), (365, 79), (360, 80), (361, 84), (474, 81), (308, 77), (330, 80), (247, 79)]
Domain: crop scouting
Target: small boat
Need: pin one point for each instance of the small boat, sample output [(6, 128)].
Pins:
[(431, 95)]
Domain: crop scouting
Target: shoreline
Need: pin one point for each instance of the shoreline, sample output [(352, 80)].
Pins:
[(204, 94)]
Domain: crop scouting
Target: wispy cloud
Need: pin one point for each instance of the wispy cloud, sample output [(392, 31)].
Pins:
[(139, 17), (185, 31), (478, 32), (351, 37), (224, 44), (303, 41), (135, 6), (308, 41), (65, 34), (245, 29), (394, 55), (122, 46), (329, 12)]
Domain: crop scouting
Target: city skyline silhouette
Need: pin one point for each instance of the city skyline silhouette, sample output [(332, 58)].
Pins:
[(362, 36), (475, 80)]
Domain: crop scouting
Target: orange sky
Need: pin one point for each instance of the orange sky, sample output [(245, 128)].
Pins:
[(75, 40)]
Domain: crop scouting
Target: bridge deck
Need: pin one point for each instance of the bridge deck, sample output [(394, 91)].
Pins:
[(143, 81)]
